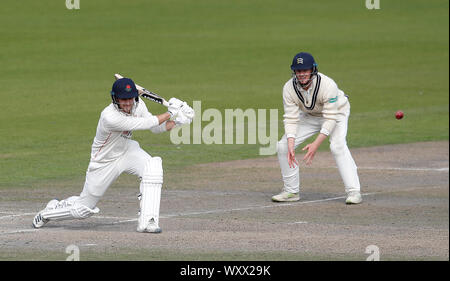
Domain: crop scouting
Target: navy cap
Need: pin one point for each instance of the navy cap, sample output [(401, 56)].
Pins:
[(303, 61), (124, 88)]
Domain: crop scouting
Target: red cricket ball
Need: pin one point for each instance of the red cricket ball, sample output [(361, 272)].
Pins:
[(399, 114)]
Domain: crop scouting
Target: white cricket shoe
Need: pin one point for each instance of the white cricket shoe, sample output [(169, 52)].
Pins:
[(286, 197), (38, 220), (353, 197), (151, 227)]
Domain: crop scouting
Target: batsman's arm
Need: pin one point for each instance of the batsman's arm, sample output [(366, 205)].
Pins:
[(165, 125), (163, 117), (170, 125), (115, 121)]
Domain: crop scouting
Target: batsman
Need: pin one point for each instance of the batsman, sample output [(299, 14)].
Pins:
[(313, 104), (114, 152)]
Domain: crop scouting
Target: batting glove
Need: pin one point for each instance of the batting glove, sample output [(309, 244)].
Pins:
[(174, 106), (182, 119), (187, 111)]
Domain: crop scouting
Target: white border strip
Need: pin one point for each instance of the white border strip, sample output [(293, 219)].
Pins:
[(405, 169)]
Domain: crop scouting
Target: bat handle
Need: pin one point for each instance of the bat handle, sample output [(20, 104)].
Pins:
[(165, 103)]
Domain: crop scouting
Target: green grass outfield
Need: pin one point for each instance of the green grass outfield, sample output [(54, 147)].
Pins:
[(57, 66)]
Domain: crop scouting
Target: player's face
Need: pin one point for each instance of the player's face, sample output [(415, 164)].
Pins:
[(303, 76), (126, 104)]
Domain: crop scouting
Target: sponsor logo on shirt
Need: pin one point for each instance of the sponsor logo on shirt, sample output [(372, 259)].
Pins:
[(331, 100), (126, 134)]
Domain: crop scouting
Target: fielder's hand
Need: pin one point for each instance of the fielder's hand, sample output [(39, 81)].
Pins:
[(312, 148), (291, 153), (309, 156)]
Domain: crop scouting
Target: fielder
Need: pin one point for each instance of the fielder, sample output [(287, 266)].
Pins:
[(313, 104), (114, 152)]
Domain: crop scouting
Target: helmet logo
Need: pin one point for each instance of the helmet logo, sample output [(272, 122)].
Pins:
[(128, 88), (299, 60)]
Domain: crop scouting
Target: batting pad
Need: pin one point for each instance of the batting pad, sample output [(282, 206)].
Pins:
[(75, 211), (151, 184)]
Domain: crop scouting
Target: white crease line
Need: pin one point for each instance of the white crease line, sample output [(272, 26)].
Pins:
[(128, 220), (17, 215), (29, 214), (276, 205), (245, 209), (109, 217), (297, 222), (19, 231), (229, 210), (205, 212)]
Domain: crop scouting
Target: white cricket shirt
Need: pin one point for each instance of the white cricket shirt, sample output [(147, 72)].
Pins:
[(322, 99), (115, 129)]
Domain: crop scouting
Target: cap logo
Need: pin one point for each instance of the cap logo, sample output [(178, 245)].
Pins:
[(128, 88), (299, 60)]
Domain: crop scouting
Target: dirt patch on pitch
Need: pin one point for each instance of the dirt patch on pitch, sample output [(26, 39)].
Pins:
[(223, 211)]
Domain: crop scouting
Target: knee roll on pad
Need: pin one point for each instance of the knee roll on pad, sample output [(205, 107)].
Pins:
[(51, 204), (81, 212), (153, 171)]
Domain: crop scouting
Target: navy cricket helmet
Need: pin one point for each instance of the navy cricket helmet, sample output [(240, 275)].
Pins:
[(124, 88), (304, 61)]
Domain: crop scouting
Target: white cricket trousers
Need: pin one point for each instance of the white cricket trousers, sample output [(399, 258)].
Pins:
[(100, 176), (308, 126)]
